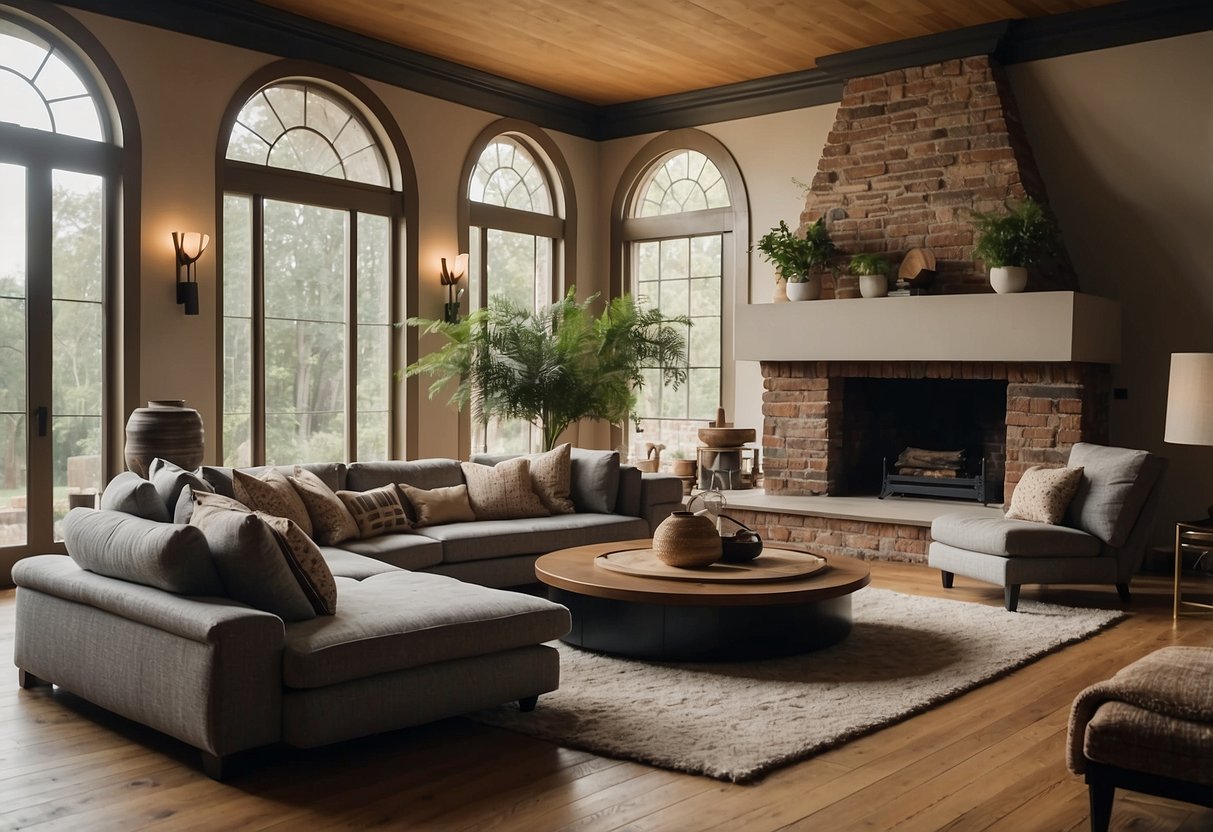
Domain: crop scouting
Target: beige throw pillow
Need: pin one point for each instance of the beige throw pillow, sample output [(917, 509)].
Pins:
[(435, 506), (305, 562), (377, 511), (551, 478), (502, 491), (331, 520), (272, 493), (1043, 494)]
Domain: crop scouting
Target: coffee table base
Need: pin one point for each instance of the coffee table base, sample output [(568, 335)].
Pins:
[(667, 632)]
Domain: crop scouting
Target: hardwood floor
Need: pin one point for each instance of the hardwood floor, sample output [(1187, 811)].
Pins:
[(990, 760)]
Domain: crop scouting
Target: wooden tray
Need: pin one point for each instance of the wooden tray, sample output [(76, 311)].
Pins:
[(771, 565)]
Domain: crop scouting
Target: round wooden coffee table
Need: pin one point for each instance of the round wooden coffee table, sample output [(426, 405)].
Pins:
[(687, 620)]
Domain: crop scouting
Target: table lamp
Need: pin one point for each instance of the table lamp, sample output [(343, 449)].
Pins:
[(1190, 400)]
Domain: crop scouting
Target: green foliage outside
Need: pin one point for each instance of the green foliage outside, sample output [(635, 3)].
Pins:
[(795, 257), (1026, 235), (554, 366)]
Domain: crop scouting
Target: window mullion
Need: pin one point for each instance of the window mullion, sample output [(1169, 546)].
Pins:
[(351, 339), (257, 394)]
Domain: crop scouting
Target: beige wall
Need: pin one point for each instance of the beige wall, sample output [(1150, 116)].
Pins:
[(1122, 137)]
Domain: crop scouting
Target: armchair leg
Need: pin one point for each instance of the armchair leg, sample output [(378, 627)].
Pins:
[(213, 766), (1100, 795), (1123, 591), (527, 703), (28, 680), (947, 578), (1010, 597)]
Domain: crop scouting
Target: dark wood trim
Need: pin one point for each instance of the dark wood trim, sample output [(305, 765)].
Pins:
[(269, 30)]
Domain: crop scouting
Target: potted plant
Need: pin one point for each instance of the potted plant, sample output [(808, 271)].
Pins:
[(872, 271), (682, 466), (1010, 243), (554, 366), (798, 260)]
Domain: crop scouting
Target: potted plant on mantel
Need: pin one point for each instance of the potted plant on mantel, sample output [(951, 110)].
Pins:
[(872, 271), (1011, 243), (798, 260)]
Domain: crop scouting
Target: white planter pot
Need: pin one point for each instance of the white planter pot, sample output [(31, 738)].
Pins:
[(805, 290), (1008, 279), (873, 285)]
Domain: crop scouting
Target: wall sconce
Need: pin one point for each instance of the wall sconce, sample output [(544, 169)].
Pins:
[(450, 279), (189, 246)]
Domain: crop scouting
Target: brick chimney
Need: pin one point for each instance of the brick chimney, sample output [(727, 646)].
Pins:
[(912, 154)]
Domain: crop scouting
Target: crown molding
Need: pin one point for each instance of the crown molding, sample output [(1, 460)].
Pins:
[(265, 29)]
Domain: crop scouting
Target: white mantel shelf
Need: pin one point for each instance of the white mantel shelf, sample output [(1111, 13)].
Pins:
[(1032, 326)]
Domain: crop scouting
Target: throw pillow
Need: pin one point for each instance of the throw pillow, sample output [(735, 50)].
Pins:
[(169, 478), (118, 545), (502, 491), (434, 506), (595, 485), (551, 477), (377, 511), (306, 563), (1043, 494), (255, 567), (331, 520), (130, 493), (272, 493)]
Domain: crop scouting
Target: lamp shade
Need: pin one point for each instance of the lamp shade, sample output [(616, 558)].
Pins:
[(190, 245), (1190, 399)]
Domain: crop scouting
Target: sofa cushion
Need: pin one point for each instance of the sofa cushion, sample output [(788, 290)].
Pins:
[(435, 506), (377, 511), (255, 567), (1043, 494), (463, 542), (130, 493), (220, 479), (169, 478), (595, 480), (407, 551), (173, 558), (1012, 538), (421, 473), (345, 564), (502, 491), (1113, 490), (407, 619), (331, 520), (272, 493)]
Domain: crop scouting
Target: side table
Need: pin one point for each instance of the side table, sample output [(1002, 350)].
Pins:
[(1190, 536)]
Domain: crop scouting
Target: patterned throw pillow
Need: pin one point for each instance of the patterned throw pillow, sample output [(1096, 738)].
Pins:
[(377, 511), (272, 493), (435, 506), (551, 478), (1043, 494), (331, 520), (502, 491), (305, 562)]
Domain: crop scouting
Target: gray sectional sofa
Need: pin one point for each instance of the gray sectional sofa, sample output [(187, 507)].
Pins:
[(408, 643)]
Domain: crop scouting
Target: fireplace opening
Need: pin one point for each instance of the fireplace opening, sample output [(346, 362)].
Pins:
[(883, 417)]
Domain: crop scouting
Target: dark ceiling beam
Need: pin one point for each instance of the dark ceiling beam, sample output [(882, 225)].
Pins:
[(266, 29)]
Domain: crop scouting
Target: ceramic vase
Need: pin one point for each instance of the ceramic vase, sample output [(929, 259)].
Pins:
[(686, 540), (807, 289), (166, 428), (1008, 279), (873, 285)]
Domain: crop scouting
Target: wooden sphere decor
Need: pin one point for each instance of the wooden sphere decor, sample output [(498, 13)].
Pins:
[(167, 429), (686, 540)]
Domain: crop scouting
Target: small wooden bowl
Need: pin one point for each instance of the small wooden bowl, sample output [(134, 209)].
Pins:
[(726, 437)]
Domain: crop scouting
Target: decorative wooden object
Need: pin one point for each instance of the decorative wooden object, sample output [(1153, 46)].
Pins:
[(686, 540), (167, 429), (777, 565)]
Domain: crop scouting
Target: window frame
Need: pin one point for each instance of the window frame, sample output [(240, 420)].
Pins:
[(732, 223), (398, 202)]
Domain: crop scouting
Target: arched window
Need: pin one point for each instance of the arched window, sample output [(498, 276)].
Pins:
[(679, 209), (62, 169), (309, 259), (519, 220)]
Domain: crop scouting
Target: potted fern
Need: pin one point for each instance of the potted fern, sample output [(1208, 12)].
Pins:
[(1011, 242), (554, 366), (798, 260), (872, 271)]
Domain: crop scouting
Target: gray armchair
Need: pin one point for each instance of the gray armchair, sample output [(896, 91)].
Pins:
[(1103, 538)]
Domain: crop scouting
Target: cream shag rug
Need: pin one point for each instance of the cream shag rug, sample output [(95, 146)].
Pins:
[(737, 721)]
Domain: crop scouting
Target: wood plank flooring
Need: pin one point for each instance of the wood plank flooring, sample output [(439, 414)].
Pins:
[(990, 760)]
